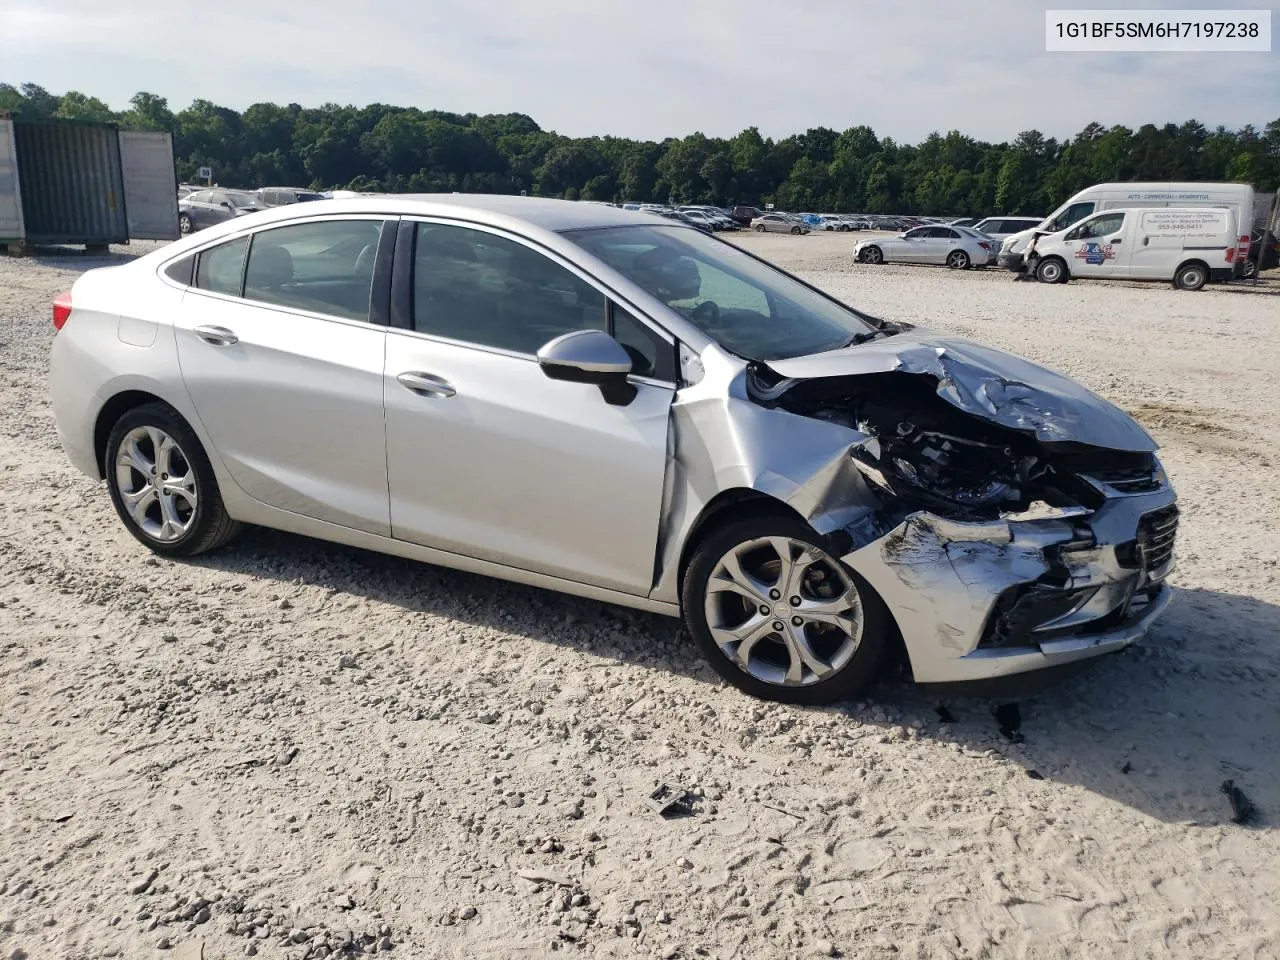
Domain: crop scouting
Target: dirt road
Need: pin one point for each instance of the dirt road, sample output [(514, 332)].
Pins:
[(293, 749)]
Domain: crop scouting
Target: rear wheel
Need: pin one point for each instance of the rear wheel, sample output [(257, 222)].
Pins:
[(779, 617), (872, 255), (162, 485), (1051, 270), (185, 225), (958, 260), (1191, 276)]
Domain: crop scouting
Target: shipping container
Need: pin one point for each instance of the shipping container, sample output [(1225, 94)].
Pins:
[(70, 182)]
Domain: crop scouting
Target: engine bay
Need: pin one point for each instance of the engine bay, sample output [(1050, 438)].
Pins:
[(926, 453)]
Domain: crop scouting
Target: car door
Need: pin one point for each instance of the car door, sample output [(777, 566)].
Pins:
[(196, 207), (912, 246), (487, 456), (281, 348), (1094, 247)]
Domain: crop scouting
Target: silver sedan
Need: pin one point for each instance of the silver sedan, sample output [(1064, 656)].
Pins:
[(607, 404), (778, 223), (957, 247)]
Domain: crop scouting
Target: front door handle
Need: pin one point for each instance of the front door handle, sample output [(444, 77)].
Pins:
[(218, 336), (427, 384)]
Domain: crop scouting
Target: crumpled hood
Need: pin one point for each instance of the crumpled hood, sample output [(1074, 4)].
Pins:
[(986, 383)]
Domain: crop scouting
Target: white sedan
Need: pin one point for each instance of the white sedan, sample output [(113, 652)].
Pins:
[(958, 247)]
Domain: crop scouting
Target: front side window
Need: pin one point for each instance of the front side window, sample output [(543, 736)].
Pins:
[(1103, 226), (322, 267), (481, 288), (744, 304), (919, 233), (653, 356), (221, 268), (200, 196)]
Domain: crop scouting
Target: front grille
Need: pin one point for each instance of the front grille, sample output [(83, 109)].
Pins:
[(1128, 479), (1157, 531)]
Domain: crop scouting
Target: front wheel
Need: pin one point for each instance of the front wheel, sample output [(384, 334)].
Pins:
[(958, 260), (1249, 269), (1051, 270), (759, 228), (1191, 276), (795, 230), (162, 485), (872, 255), (779, 617), (185, 226)]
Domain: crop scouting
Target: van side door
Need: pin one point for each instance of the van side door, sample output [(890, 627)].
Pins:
[(1094, 247)]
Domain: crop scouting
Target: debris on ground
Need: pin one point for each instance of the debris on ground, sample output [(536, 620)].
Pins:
[(670, 802), (1009, 717), (1242, 808)]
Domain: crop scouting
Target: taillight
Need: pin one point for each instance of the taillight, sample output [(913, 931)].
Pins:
[(1243, 251), (61, 309), (984, 245), (1231, 255)]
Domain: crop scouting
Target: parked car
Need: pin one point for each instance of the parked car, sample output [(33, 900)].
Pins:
[(186, 189), (681, 217), (965, 222), (279, 196), (778, 223), (450, 380), (958, 247), (1188, 246), (1264, 249), (997, 228), (743, 216), (204, 208)]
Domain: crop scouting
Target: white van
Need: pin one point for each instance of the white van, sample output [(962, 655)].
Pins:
[(1186, 245), (1237, 197)]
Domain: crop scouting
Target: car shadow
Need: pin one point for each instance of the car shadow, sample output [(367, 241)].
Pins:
[(1157, 728)]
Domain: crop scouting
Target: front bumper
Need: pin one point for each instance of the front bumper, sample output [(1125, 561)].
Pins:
[(1010, 261), (977, 601)]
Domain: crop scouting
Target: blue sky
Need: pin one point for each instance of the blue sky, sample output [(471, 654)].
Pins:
[(641, 69)]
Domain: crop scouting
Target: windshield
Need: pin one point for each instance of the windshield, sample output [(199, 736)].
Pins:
[(746, 306)]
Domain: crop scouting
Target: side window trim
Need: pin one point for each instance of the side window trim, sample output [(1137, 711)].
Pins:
[(402, 280)]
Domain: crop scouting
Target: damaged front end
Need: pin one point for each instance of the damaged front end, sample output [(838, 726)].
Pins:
[(1010, 519)]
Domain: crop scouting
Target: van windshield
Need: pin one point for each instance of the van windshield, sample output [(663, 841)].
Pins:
[(1074, 213)]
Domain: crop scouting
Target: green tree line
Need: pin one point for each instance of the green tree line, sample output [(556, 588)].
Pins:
[(399, 149)]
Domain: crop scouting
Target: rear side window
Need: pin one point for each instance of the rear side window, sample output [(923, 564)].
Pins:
[(484, 289), (221, 269), (182, 271), (323, 267)]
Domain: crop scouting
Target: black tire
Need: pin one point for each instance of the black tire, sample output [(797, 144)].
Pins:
[(1051, 270), (185, 226), (795, 230), (1249, 269), (872, 255), (958, 260), (858, 670), (760, 228), (210, 525), (1191, 276)]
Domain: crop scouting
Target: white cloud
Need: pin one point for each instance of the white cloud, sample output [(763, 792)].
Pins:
[(652, 69)]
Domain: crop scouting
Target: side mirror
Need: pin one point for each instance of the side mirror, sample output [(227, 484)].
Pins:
[(225, 205), (590, 356)]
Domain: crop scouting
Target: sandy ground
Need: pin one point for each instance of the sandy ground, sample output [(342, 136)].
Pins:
[(290, 748)]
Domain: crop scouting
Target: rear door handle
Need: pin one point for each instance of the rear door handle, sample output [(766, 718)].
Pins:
[(218, 336), (427, 384)]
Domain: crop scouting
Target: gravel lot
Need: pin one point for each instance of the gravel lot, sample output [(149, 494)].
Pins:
[(290, 748)]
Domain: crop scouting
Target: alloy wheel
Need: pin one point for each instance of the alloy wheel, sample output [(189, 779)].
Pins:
[(157, 484), (784, 611)]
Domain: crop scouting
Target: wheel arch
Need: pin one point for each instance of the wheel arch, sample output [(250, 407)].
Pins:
[(725, 507), (1193, 262), (1066, 267), (116, 407)]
